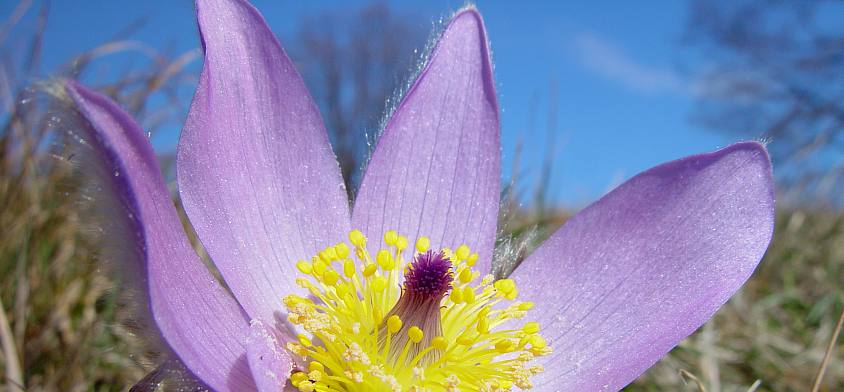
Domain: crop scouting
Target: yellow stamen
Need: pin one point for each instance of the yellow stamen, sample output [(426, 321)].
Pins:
[(358, 340)]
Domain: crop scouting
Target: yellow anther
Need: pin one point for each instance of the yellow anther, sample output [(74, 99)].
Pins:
[(379, 284), (342, 290), (307, 386), (422, 244), (456, 295), (302, 282), (512, 295), (465, 275), (466, 339), (468, 294), (401, 243), (304, 267), (393, 324), (296, 349), (483, 325), (472, 260), (531, 327), (439, 343), (315, 375), (316, 367), (349, 268), (415, 334), (298, 377), (390, 237), (537, 341), (369, 270), (304, 340), (357, 239), (319, 267), (525, 356), (324, 256), (354, 375), (342, 250), (525, 306), (524, 340), (536, 369), (503, 346), (292, 299), (462, 252), (505, 286), (385, 260), (505, 385), (330, 277), (331, 253)]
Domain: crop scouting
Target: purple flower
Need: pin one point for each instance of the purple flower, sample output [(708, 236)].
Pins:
[(317, 287)]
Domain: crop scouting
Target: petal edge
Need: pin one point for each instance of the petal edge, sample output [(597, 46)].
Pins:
[(435, 171), (198, 319), (256, 173), (629, 277)]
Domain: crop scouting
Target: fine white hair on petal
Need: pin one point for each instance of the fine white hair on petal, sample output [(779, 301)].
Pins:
[(510, 251), (93, 195), (392, 102), (105, 221)]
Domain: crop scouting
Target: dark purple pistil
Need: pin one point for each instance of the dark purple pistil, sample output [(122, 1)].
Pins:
[(429, 275)]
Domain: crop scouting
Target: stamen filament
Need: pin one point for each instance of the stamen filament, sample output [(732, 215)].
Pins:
[(438, 330)]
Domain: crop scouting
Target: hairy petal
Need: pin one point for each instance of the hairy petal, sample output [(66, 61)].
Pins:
[(198, 319), (269, 361), (435, 171), (630, 276), (256, 174), (171, 374)]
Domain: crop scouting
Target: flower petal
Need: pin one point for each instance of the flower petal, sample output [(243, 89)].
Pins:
[(199, 320), (256, 174), (435, 171), (627, 278), (270, 363)]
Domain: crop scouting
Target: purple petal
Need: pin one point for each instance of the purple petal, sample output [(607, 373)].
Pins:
[(630, 276), (199, 320), (435, 171), (256, 174), (270, 363)]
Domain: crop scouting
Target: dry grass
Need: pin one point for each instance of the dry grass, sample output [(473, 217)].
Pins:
[(65, 323), (62, 312)]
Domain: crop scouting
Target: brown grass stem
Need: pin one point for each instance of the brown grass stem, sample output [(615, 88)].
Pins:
[(828, 355), (14, 376)]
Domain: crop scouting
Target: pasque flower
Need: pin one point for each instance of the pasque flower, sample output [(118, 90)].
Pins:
[(392, 294)]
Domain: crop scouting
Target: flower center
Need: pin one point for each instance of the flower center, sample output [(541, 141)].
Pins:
[(426, 281), (368, 331)]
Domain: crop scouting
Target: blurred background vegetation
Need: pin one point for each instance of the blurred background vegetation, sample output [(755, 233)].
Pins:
[(66, 325)]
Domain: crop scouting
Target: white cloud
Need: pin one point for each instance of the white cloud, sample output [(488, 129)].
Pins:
[(605, 58)]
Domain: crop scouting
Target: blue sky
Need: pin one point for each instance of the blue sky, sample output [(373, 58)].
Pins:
[(620, 106)]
